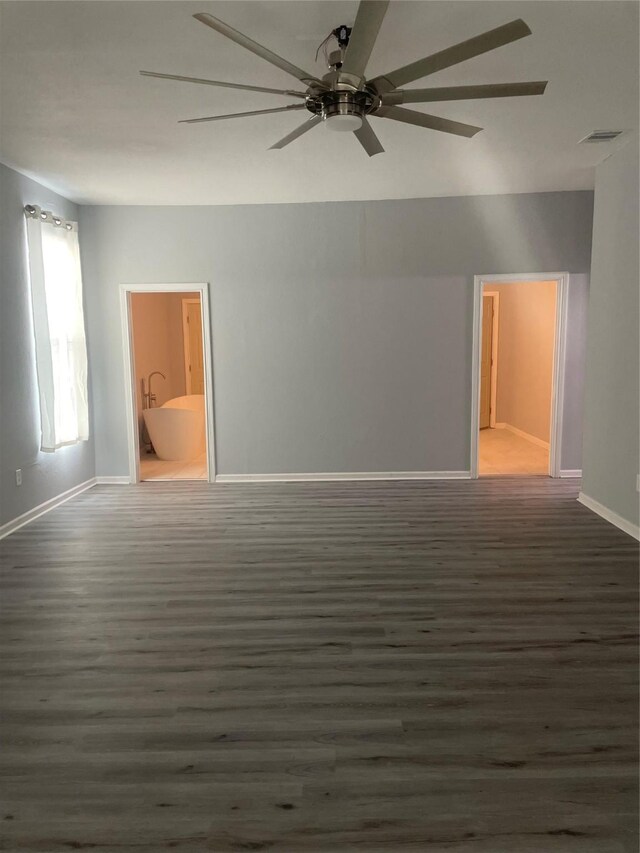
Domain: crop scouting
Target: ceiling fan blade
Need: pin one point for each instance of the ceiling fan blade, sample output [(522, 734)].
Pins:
[(240, 115), (424, 120), (254, 47), (363, 36), (463, 93), (452, 56), (303, 128), (367, 138), (224, 85)]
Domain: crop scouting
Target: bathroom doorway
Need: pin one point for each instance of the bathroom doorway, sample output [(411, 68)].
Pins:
[(169, 383)]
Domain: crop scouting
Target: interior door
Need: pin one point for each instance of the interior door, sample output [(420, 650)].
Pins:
[(485, 372), (195, 362)]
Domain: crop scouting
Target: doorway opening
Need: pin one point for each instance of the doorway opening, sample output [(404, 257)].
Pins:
[(519, 327), (168, 373)]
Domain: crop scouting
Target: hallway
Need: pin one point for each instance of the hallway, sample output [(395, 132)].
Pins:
[(501, 451)]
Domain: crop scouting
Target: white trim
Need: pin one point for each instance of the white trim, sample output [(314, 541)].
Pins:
[(186, 340), (559, 364), (129, 384), (609, 515), (493, 405), (41, 509), (202, 288), (113, 481), (571, 473), (557, 398), (342, 475), (526, 435)]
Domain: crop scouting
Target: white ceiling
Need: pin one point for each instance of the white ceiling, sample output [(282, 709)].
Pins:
[(77, 116)]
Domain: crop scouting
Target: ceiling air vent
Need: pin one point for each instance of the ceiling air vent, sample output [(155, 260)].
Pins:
[(601, 136)]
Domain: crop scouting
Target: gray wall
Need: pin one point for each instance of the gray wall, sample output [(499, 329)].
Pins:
[(611, 431), (45, 475), (341, 332), (575, 369)]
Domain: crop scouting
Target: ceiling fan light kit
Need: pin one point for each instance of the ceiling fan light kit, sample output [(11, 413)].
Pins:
[(347, 121), (344, 99), (341, 110)]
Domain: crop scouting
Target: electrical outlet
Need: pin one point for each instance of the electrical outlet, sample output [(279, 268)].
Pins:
[(18, 476)]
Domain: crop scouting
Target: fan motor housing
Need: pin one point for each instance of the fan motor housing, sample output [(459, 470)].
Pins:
[(342, 103)]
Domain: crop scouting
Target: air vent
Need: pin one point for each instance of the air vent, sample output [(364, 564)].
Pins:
[(602, 136)]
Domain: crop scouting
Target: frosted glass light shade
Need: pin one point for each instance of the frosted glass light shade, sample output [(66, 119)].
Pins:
[(343, 123)]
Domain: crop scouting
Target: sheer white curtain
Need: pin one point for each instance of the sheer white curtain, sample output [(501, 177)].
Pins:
[(58, 319)]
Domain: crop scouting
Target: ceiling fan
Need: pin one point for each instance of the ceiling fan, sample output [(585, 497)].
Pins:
[(344, 98)]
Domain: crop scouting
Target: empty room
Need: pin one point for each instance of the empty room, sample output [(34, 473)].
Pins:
[(319, 445)]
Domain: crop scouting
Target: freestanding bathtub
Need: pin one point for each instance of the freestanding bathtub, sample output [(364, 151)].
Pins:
[(177, 428)]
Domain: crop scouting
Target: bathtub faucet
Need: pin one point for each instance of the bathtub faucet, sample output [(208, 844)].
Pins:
[(151, 397)]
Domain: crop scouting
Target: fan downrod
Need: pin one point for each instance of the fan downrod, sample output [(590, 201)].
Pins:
[(345, 101)]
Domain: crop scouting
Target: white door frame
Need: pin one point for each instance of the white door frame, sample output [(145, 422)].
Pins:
[(557, 391), (129, 369), (495, 327), (186, 340)]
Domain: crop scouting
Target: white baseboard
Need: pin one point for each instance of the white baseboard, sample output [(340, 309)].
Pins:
[(609, 515), (532, 438), (113, 481), (41, 509), (343, 476), (571, 473)]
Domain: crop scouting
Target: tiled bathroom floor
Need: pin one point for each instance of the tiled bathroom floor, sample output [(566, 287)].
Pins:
[(152, 468), (503, 452)]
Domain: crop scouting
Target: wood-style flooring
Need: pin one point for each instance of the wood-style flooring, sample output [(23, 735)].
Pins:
[(400, 666)]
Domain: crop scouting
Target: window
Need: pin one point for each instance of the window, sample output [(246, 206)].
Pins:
[(58, 321)]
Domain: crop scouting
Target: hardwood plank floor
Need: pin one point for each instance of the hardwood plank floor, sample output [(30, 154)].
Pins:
[(400, 666)]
